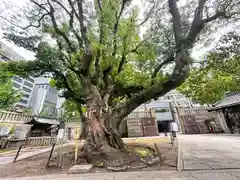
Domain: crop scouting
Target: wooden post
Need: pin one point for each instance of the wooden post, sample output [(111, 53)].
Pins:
[(19, 149), (77, 132), (50, 155)]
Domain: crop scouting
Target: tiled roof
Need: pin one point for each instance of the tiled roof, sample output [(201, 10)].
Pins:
[(230, 99), (42, 120)]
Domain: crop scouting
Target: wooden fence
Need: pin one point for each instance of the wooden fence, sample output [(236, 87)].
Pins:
[(194, 111), (13, 117), (141, 124), (194, 120), (31, 142), (40, 141)]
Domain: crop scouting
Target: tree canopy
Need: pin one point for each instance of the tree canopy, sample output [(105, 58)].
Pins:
[(218, 74), (8, 95), (97, 56)]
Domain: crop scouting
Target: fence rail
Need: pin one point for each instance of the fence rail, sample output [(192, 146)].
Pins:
[(143, 114), (194, 111), (31, 142), (13, 117), (40, 141)]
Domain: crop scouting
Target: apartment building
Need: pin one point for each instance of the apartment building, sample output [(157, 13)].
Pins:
[(23, 85)]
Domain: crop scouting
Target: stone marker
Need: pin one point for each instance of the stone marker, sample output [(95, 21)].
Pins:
[(77, 169)]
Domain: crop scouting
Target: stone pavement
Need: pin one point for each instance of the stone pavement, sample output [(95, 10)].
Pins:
[(150, 175), (207, 152)]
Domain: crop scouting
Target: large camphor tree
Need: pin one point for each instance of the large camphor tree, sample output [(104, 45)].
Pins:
[(94, 52)]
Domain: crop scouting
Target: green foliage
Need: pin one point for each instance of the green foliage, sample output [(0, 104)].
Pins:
[(8, 95), (208, 84), (72, 109), (93, 49), (28, 111)]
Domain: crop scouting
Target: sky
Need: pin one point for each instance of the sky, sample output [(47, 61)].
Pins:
[(197, 53)]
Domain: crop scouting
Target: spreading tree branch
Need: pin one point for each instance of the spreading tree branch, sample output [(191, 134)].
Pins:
[(88, 57), (199, 23), (159, 89), (54, 22), (83, 28), (160, 65), (101, 37), (177, 27), (56, 28), (148, 16), (71, 20), (71, 4), (122, 62), (115, 29), (99, 5)]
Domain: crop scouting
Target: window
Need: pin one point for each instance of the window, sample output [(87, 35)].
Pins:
[(31, 80), (162, 110), (4, 58), (18, 79), (26, 95), (28, 84), (26, 89), (23, 101), (16, 85)]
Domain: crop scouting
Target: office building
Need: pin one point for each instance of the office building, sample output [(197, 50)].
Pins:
[(22, 85), (44, 98)]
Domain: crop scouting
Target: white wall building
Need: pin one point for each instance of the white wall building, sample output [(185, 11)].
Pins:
[(166, 106), (21, 84), (174, 97), (44, 98)]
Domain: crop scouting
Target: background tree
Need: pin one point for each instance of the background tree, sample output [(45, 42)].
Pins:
[(218, 74), (8, 95), (95, 53), (74, 109)]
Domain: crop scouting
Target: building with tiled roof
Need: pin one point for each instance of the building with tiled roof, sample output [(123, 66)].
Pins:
[(230, 99)]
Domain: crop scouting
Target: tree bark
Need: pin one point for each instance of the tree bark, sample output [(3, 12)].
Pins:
[(101, 136)]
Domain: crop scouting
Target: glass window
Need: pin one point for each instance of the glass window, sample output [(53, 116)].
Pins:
[(26, 95), (28, 84), (16, 78), (4, 58), (26, 89), (16, 85), (23, 101), (31, 80), (163, 110)]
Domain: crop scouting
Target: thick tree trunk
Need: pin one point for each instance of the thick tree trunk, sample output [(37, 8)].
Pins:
[(99, 137), (100, 134)]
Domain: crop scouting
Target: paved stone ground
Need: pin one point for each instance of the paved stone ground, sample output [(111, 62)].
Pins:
[(207, 152), (160, 175), (7, 158)]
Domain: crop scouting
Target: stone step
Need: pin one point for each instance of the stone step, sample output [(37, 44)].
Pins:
[(78, 169)]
